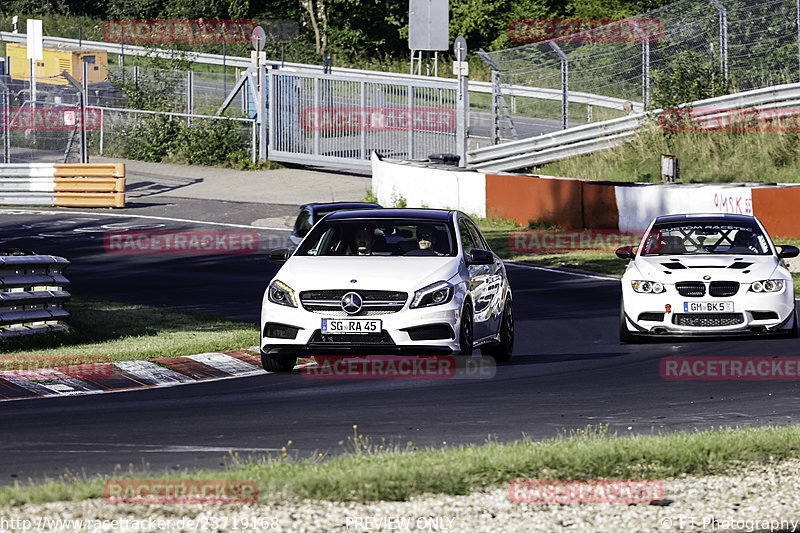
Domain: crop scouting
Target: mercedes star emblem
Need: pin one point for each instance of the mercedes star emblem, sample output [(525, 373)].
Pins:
[(351, 303)]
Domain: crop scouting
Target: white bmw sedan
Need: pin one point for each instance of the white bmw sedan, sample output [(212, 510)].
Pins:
[(387, 281), (714, 274)]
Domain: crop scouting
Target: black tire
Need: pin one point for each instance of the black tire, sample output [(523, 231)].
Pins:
[(502, 351), (625, 336), (278, 362), (465, 331)]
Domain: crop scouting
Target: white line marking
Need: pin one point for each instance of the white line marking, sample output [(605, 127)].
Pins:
[(150, 217), (556, 271), (225, 363), (151, 373)]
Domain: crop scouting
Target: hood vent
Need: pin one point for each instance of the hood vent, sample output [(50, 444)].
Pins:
[(675, 265), (739, 265)]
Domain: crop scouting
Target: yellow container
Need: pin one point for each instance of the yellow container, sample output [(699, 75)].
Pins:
[(56, 60)]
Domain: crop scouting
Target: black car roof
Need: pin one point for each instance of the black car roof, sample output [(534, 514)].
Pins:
[(437, 215), (715, 217), (340, 205)]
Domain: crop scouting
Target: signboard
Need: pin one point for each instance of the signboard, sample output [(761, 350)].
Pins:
[(259, 38), (428, 25), (35, 46)]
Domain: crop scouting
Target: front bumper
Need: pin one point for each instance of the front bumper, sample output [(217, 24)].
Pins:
[(752, 314), (425, 331)]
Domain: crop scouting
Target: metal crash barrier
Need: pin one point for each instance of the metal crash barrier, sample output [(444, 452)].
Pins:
[(63, 184), (32, 293)]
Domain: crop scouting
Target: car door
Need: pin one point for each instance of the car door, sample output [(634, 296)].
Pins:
[(492, 291), (478, 278)]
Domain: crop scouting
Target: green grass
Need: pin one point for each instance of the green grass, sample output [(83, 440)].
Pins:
[(704, 157), (123, 332), (371, 472)]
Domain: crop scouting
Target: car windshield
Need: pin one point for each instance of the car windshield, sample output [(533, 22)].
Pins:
[(705, 237), (379, 237)]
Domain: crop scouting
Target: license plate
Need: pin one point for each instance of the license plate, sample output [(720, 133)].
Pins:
[(350, 325), (708, 307)]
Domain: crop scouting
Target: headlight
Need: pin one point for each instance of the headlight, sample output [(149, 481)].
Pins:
[(767, 285), (648, 286), (437, 293), (281, 294)]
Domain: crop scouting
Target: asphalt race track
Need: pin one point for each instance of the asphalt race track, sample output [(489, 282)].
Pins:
[(568, 371)]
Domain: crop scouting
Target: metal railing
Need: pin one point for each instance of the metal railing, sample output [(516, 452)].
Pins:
[(32, 293), (590, 138), (578, 97)]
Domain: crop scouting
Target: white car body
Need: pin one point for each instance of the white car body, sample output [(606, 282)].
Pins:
[(702, 283), (315, 288)]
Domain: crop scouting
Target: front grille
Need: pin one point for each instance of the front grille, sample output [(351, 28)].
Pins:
[(329, 302), (318, 339), (652, 317), (691, 288), (723, 288), (707, 320)]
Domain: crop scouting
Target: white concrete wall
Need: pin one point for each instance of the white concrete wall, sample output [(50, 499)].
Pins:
[(428, 187), (638, 205)]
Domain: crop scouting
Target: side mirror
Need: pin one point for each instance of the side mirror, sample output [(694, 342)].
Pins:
[(279, 255), (480, 257), (786, 251), (301, 232), (626, 252)]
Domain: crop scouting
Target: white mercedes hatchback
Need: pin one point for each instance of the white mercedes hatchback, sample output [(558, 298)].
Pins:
[(715, 274), (387, 281)]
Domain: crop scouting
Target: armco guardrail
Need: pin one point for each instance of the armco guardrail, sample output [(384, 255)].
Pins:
[(32, 293), (63, 184), (607, 134), (576, 97)]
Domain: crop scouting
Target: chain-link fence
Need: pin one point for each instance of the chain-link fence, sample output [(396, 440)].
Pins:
[(736, 45), (42, 122)]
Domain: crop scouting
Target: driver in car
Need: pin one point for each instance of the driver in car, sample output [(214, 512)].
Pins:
[(364, 238)]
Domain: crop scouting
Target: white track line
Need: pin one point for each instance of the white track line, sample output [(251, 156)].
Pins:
[(606, 277), (125, 215)]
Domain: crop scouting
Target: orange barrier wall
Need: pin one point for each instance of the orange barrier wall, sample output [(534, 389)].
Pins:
[(568, 203), (778, 208), (600, 205), (529, 198)]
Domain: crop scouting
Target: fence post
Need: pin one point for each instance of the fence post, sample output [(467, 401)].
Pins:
[(362, 97), (723, 36), (136, 76), (798, 33), (189, 96), (495, 107), (102, 120), (564, 83), (253, 140), (84, 102), (315, 100), (410, 106)]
